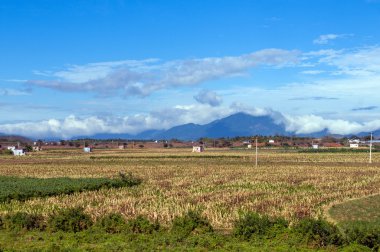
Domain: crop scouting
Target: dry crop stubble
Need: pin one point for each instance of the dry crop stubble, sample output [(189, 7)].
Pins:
[(220, 183)]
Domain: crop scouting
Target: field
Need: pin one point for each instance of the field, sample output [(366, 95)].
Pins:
[(219, 183)]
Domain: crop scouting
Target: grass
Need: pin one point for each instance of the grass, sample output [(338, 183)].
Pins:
[(363, 210)]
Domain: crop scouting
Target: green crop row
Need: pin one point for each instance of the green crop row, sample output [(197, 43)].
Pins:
[(17, 188)]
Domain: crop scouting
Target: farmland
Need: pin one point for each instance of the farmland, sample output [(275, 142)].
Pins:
[(219, 183)]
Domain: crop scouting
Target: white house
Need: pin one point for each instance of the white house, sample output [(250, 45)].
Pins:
[(18, 152), (12, 148), (37, 148), (354, 141), (271, 141), (198, 149), (87, 149), (315, 146), (249, 146), (354, 145)]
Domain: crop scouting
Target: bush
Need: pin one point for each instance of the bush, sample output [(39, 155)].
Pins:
[(112, 223), (356, 248), (141, 225), (129, 179), (365, 235), (69, 220), (319, 231), (192, 222), (23, 221), (252, 223)]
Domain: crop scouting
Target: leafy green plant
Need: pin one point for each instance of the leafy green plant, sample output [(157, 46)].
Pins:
[(251, 223), (191, 222), (112, 223), (21, 220), (129, 179), (319, 231), (366, 235), (69, 220), (141, 225)]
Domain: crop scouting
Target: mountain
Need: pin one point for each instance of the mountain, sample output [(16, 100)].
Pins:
[(239, 124)]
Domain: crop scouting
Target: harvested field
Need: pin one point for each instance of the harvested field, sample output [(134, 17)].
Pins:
[(221, 183)]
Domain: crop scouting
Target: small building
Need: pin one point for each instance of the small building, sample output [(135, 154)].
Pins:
[(354, 141), (37, 148), (12, 148), (18, 152), (354, 145), (198, 149), (87, 149), (271, 141), (249, 146), (315, 146), (121, 147)]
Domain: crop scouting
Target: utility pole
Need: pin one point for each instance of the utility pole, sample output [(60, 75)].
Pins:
[(256, 152), (370, 149)]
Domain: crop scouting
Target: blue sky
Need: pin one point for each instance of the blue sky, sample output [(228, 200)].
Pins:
[(83, 67)]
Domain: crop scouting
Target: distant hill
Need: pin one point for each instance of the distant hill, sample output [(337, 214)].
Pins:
[(14, 138)]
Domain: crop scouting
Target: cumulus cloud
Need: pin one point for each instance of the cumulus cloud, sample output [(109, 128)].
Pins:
[(208, 97), (147, 76), (307, 124), (325, 38)]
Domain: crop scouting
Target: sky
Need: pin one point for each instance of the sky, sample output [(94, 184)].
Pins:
[(79, 67)]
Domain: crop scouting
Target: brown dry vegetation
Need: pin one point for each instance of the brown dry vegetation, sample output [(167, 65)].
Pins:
[(219, 182)]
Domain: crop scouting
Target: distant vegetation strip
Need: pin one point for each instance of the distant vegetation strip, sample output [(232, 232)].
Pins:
[(167, 157), (16, 188), (336, 150)]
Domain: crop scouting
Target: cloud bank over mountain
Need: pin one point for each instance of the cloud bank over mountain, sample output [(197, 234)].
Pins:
[(72, 126)]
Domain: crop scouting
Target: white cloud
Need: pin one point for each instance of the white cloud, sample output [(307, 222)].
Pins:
[(325, 38), (310, 123), (208, 97), (167, 118), (147, 76)]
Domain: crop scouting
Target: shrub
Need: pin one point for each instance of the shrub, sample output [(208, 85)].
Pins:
[(129, 179), (356, 248), (21, 220), (112, 223), (191, 222), (69, 220), (365, 235), (252, 223), (141, 225), (319, 231)]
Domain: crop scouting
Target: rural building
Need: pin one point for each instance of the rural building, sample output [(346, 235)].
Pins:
[(271, 141), (249, 146), (354, 145), (12, 148), (18, 152), (315, 146), (354, 141), (121, 147), (37, 148), (87, 149), (198, 149)]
